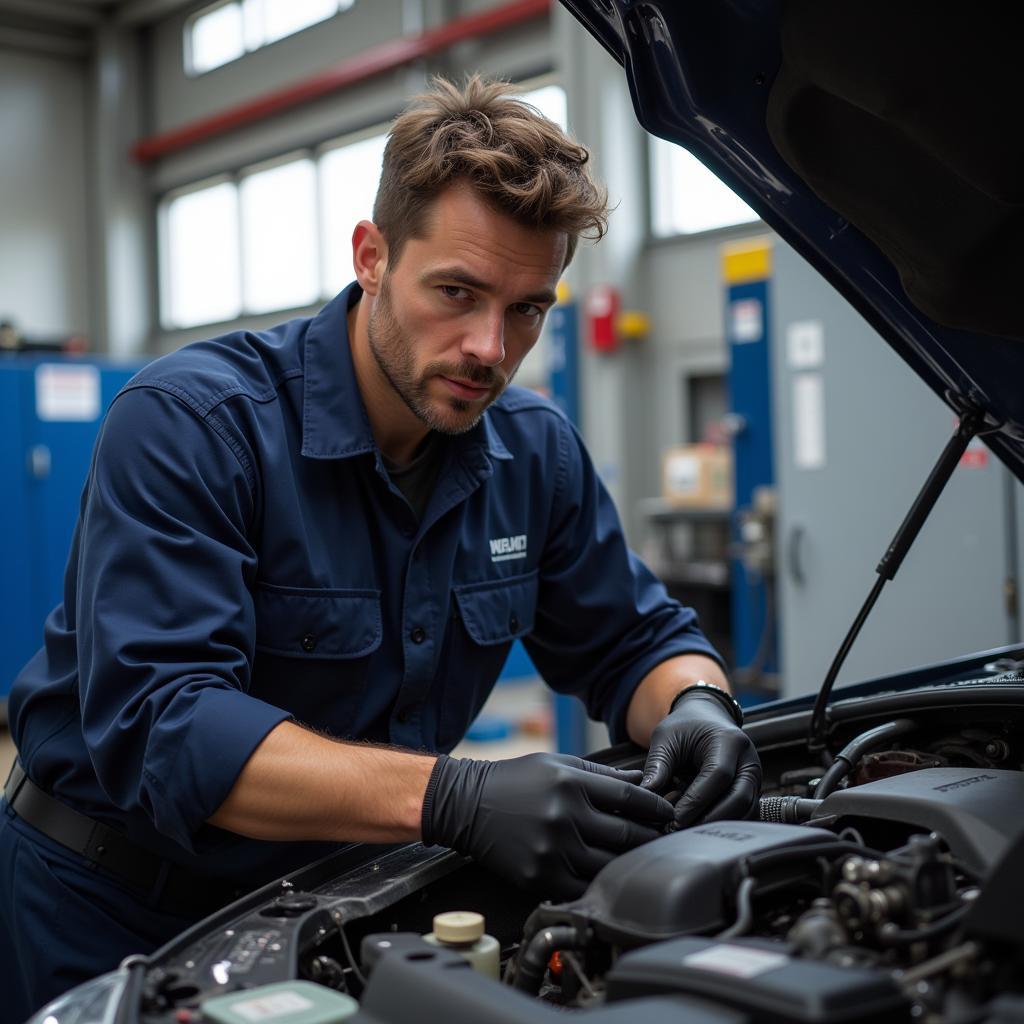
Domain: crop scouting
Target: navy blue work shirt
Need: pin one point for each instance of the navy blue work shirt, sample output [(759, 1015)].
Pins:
[(242, 558)]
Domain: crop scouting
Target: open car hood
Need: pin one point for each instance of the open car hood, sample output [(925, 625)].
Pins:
[(881, 141)]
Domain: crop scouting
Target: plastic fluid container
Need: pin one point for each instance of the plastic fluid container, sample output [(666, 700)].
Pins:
[(287, 1002), (462, 931)]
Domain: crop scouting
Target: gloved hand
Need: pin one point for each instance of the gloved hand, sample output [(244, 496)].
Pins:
[(699, 740), (549, 822)]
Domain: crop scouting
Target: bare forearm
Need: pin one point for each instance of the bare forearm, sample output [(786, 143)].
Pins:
[(300, 785), (652, 697)]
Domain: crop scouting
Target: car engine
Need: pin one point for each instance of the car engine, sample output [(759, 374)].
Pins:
[(884, 884)]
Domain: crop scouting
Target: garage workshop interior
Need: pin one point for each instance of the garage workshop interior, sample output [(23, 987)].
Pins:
[(344, 678)]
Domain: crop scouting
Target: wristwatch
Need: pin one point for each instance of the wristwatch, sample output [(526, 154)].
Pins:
[(723, 696)]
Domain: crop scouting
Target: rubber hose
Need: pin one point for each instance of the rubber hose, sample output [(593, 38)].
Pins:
[(533, 960), (848, 758)]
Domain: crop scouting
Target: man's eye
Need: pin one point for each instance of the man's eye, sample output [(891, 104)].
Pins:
[(452, 291), (528, 309)]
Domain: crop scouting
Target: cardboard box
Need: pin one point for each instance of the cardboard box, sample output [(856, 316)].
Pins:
[(697, 476)]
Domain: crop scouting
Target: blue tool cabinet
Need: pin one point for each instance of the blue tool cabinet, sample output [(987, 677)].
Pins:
[(50, 412)]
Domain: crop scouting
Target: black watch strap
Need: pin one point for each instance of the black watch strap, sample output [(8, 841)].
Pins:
[(723, 696)]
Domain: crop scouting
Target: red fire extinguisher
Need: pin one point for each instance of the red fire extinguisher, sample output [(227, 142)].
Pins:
[(603, 305)]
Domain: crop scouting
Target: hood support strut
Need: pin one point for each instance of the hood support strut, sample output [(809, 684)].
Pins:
[(968, 427)]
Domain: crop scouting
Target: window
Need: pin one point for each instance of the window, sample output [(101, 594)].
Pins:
[(201, 282), (279, 237), (227, 30), (216, 36), (280, 18), (550, 101), (276, 236), (349, 175), (686, 197)]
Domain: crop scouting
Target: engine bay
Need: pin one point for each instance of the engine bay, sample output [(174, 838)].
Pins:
[(881, 885)]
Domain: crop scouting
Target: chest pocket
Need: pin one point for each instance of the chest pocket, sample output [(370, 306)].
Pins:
[(493, 614), (496, 612), (294, 622), (314, 649)]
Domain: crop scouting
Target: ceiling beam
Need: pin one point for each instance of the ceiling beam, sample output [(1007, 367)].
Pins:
[(53, 10), (44, 42), (142, 12)]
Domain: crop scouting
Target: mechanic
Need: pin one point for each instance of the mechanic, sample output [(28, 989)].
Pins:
[(301, 558)]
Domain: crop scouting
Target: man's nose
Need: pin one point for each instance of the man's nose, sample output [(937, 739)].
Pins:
[(486, 343)]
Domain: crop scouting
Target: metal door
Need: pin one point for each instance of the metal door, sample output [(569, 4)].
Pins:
[(857, 434), (16, 620), (52, 412)]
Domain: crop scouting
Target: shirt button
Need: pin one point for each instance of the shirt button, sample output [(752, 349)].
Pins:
[(513, 622), (309, 643), (418, 635)]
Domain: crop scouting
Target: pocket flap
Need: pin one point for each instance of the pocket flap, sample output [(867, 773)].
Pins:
[(498, 611), (309, 623)]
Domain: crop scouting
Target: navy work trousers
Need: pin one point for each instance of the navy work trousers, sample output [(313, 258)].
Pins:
[(63, 922)]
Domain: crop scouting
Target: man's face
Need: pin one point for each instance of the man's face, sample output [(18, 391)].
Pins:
[(464, 304)]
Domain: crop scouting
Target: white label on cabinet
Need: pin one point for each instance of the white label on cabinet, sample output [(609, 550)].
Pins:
[(67, 392), (809, 421), (805, 345)]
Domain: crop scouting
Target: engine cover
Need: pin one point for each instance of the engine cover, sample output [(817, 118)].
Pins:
[(763, 978), (976, 810), (682, 883)]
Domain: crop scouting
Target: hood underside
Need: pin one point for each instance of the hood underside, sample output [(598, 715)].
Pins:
[(880, 140)]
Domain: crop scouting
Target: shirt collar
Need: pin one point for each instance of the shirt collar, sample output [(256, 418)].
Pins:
[(334, 420)]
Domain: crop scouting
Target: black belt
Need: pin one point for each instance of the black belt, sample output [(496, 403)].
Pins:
[(183, 892)]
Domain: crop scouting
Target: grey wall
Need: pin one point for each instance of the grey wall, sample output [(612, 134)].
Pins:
[(45, 275), (681, 288)]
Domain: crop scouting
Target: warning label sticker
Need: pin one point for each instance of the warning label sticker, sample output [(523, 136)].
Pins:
[(271, 1007), (737, 961)]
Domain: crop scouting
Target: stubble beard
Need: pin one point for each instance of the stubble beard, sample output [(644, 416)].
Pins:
[(395, 356)]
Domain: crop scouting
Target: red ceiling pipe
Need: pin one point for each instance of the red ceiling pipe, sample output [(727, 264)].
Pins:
[(375, 61)]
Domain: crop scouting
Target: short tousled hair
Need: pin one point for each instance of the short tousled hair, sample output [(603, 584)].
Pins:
[(481, 134)]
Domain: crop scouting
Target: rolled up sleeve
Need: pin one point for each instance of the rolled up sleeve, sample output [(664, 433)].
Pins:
[(166, 620), (603, 619)]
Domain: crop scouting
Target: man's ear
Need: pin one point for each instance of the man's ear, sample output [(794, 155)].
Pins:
[(369, 256)]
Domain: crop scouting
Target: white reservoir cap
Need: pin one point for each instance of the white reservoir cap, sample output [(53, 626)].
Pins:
[(459, 926)]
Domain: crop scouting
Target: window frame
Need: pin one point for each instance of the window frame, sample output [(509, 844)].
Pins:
[(653, 236), (248, 171), (187, 43), (165, 290), (352, 138), (250, 32)]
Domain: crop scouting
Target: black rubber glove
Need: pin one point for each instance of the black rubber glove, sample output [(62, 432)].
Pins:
[(699, 740), (549, 822)]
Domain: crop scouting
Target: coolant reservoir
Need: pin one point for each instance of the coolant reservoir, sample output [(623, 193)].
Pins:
[(463, 932)]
